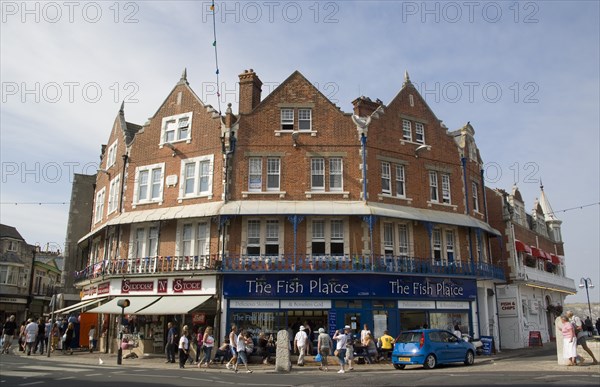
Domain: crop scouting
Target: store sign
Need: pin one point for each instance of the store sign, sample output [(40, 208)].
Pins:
[(306, 304), (198, 318), (507, 307), (254, 304), (141, 286), (181, 286), (416, 304), (347, 286), (452, 305), (13, 300), (104, 288)]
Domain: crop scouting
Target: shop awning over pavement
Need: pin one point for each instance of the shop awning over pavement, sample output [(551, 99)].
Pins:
[(174, 305), (136, 303), (79, 306)]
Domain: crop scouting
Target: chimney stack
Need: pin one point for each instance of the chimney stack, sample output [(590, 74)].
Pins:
[(364, 107), (250, 89)]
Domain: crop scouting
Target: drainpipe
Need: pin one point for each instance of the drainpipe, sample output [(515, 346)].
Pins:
[(363, 142), (125, 158)]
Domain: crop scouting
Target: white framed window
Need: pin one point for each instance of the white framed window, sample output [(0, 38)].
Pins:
[(327, 237), (419, 133), (406, 130), (9, 275), (144, 242), (149, 184), (253, 237), (304, 119), (475, 194), (196, 173), (111, 155), (445, 188), (317, 168), (99, 205), (437, 245), (113, 194), (450, 245), (176, 128), (273, 174), (287, 119), (400, 183), (336, 180), (272, 237), (12, 246), (194, 238), (255, 174), (433, 186), (386, 186), (388, 238), (263, 236), (403, 241)]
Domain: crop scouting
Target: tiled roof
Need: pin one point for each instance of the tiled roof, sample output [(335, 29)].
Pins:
[(10, 232)]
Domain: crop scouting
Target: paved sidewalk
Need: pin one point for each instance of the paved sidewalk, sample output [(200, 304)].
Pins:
[(534, 359)]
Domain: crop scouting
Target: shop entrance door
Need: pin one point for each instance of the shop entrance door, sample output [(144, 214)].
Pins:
[(352, 318), (412, 319)]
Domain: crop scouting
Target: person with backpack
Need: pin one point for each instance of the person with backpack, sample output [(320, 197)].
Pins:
[(581, 336)]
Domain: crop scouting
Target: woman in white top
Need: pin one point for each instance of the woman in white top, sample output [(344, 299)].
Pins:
[(208, 342), (340, 347), (184, 347)]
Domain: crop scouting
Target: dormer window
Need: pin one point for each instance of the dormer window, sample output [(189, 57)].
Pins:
[(111, 156), (176, 128)]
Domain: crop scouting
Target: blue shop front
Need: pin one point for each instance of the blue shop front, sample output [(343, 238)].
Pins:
[(270, 303)]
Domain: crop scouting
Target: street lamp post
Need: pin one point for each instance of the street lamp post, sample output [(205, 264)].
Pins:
[(123, 304), (587, 283)]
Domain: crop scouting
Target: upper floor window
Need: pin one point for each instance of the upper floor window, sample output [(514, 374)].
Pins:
[(99, 207), (194, 240), (399, 178), (263, 237), (176, 128), (475, 193), (388, 239), (144, 242), (196, 177), (9, 275), (113, 194), (149, 184), (327, 237), (335, 174), (320, 168), (406, 130), (12, 246), (395, 239), (255, 174), (287, 119), (433, 186), (111, 155), (317, 172), (400, 187), (304, 119), (419, 133), (443, 245), (386, 187)]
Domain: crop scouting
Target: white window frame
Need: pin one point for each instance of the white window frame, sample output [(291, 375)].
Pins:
[(419, 133), (253, 235), (316, 172), (260, 235), (273, 171), (446, 196), (302, 119), (336, 168), (449, 239), (255, 173), (12, 246), (389, 245), (272, 231), (433, 187), (195, 243), (437, 244), (386, 177), (114, 194), (285, 118), (400, 181), (329, 235), (406, 130), (149, 169), (197, 163), (177, 119), (143, 241), (111, 154), (99, 205), (403, 240), (11, 278), (475, 195), (446, 245)]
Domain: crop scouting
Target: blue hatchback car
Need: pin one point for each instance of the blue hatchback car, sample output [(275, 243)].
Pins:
[(431, 347)]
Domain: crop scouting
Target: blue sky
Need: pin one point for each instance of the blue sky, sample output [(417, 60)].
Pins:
[(525, 74)]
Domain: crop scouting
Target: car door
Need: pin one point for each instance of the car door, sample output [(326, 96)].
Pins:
[(438, 346), (454, 349)]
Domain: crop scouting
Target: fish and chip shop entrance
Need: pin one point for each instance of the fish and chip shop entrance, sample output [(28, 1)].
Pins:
[(269, 303)]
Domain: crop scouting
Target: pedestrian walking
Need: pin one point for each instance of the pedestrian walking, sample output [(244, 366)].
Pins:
[(184, 347), (569, 341), (581, 336), (8, 333), (41, 336), (349, 348), (340, 347), (171, 342), (324, 345), (208, 342), (92, 338), (69, 338), (300, 342), (31, 330), (233, 337), (243, 341), (54, 336)]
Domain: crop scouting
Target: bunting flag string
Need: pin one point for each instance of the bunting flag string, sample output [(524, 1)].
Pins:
[(212, 8)]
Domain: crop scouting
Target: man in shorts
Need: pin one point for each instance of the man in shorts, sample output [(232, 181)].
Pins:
[(581, 337), (8, 333)]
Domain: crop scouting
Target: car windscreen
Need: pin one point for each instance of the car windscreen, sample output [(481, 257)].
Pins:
[(409, 337)]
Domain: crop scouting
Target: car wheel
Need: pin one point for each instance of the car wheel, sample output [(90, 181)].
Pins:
[(470, 358), (399, 366), (430, 361)]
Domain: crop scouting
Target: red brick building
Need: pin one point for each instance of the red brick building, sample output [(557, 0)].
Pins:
[(293, 211)]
